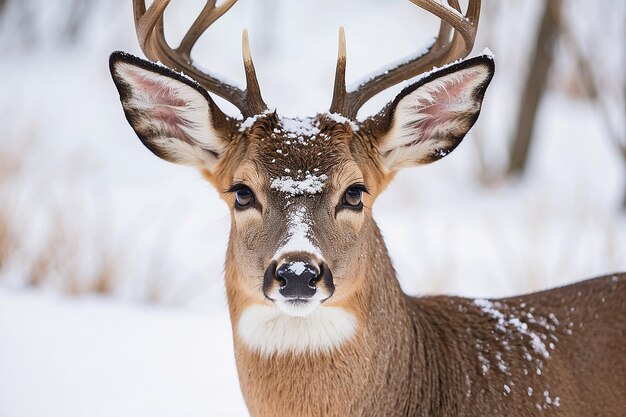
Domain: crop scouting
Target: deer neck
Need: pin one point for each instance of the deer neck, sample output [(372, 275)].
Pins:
[(383, 343)]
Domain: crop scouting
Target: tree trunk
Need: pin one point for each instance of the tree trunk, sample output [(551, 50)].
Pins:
[(624, 160), (624, 144), (76, 17), (624, 201), (535, 86)]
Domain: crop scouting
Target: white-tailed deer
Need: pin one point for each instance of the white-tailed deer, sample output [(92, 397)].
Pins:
[(320, 324)]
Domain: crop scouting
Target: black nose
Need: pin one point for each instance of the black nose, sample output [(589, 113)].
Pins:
[(297, 279)]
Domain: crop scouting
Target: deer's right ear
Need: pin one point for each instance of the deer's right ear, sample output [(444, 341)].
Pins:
[(430, 118), (173, 116)]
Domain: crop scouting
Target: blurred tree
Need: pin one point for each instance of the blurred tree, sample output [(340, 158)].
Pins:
[(535, 87), (17, 24), (27, 24), (75, 21), (599, 85), (596, 45)]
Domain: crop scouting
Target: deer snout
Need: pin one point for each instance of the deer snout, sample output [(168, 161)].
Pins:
[(294, 283), (298, 279)]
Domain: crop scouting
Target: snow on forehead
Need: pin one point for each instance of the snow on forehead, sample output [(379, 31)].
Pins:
[(299, 154), (300, 127), (303, 132), (308, 184)]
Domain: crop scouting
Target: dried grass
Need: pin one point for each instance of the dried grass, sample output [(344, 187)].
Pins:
[(11, 167), (50, 239), (7, 241)]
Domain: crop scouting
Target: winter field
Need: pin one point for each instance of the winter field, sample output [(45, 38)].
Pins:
[(111, 260)]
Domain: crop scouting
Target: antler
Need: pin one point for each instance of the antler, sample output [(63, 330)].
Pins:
[(149, 26), (444, 50)]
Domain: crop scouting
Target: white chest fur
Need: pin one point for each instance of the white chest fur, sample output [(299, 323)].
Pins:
[(269, 331)]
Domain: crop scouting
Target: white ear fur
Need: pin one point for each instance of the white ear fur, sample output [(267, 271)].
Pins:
[(432, 119), (171, 116)]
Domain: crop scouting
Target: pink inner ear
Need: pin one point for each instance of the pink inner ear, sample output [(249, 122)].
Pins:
[(446, 104), (167, 114), (157, 91), (163, 101)]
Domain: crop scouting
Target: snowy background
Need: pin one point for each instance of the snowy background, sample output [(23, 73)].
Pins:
[(111, 261)]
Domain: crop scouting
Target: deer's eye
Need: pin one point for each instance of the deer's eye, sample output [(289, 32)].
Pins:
[(244, 197), (353, 197)]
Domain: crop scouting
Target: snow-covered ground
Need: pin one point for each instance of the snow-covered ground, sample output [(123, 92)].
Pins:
[(90, 357), (68, 356)]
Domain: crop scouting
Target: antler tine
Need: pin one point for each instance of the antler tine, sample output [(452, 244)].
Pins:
[(206, 18), (464, 26), (441, 52), (253, 91), (146, 20), (339, 94), (149, 26)]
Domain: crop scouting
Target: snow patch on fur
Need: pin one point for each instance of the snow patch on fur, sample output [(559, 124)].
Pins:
[(310, 184), (298, 235)]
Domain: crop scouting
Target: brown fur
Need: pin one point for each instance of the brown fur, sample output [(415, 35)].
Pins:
[(419, 356), (559, 352)]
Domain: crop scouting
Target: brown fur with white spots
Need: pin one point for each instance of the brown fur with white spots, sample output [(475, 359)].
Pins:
[(368, 349)]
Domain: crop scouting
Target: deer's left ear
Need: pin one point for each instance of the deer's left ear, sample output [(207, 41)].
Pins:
[(173, 116), (430, 118)]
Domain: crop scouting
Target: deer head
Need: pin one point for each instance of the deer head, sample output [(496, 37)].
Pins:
[(300, 191)]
